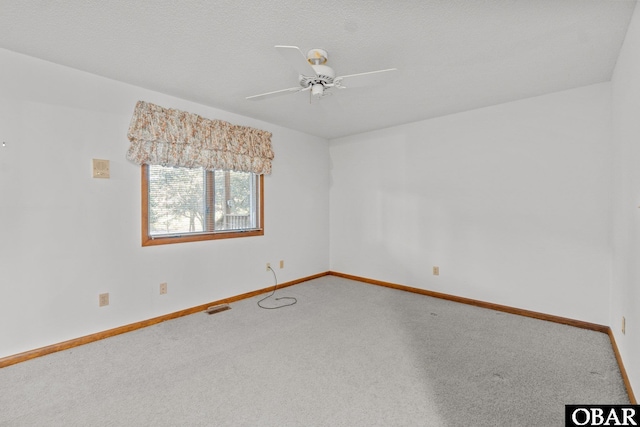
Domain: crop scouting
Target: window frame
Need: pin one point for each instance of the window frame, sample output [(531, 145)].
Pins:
[(148, 240)]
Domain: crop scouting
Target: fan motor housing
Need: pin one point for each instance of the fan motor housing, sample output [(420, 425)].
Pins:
[(325, 76)]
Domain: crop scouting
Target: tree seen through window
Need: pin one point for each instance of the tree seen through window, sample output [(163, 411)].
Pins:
[(184, 200)]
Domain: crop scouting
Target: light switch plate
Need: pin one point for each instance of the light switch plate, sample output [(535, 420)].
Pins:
[(100, 168)]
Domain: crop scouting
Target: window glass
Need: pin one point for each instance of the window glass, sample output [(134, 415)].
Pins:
[(182, 201)]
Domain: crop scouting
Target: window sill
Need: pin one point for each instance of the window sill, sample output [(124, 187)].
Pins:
[(200, 237)]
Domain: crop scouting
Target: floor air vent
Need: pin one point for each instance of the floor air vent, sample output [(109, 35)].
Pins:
[(217, 308)]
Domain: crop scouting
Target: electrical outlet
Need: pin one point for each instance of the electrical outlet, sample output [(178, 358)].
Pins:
[(281, 263), (624, 325), (163, 288), (103, 299), (436, 270), (268, 266)]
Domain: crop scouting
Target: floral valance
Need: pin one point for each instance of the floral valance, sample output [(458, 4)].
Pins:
[(167, 137)]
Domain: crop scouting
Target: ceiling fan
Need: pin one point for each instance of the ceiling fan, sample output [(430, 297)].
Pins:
[(318, 78)]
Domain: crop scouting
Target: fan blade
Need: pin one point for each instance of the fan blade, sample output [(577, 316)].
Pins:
[(364, 79), (276, 93), (297, 60)]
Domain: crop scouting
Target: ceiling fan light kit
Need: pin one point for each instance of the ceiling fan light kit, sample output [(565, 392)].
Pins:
[(317, 77), (317, 90)]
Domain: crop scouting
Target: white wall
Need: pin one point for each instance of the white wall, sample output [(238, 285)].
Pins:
[(512, 202), (66, 237), (625, 289)]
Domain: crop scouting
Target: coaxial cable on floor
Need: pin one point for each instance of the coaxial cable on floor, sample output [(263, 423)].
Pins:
[(275, 286)]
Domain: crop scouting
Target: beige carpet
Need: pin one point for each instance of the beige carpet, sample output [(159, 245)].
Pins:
[(347, 354)]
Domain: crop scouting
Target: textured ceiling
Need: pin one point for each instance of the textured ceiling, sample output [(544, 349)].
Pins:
[(452, 55)]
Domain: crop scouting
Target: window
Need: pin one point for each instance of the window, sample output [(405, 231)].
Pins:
[(193, 204), (202, 196)]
